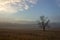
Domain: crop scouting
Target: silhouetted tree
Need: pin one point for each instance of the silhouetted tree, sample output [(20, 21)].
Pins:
[(43, 22)]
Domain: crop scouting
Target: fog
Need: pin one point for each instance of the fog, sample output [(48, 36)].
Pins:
[(27, 26)]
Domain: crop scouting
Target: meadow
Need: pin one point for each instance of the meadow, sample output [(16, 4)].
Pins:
[(10, 34)]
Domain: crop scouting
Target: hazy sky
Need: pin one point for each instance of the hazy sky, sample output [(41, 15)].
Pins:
[(29, 10)]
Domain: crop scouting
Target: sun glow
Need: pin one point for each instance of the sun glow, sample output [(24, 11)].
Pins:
[(12, 6)]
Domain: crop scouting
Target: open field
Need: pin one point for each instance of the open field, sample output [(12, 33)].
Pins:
[(8, 34)]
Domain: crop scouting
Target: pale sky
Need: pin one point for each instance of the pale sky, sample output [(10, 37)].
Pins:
[(29, 10)]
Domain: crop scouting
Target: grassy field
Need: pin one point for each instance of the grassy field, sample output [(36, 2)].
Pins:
[(9, 34)]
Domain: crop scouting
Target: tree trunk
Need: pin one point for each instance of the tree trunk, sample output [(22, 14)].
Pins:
[(43, 28)]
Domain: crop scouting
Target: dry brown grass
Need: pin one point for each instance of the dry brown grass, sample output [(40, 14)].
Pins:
[(7, 34)]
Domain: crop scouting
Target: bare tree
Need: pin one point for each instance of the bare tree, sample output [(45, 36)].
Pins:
[(43, 23)]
